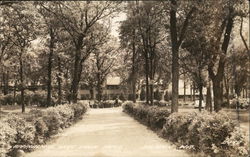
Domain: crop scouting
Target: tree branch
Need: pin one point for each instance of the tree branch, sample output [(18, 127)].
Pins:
[(242, 37), (185, 25)]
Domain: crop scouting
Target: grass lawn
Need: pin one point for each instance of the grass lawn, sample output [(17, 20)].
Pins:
[(5, 110)]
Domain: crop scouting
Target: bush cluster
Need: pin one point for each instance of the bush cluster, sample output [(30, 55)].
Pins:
[(38, 98), (152, 116), (37, 126), (106, 104), (243, 104), (211, 134)]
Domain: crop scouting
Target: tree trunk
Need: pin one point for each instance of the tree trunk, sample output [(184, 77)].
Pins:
[(75, 83), (91, 91), (151, 82), (218, 94), (226, 85), (15, 90), (77, 70), (191, 92), (147, 75), (59, 81), (194, 92), (51, 46), (99, 87), (133, 73), (151, 93), (175, 57), (247, 95), (200, 96), (209, 98), (184, 88), (6, 83), (218, 78), (21, 82), (227, 94)]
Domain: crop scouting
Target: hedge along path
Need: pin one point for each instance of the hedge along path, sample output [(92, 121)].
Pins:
[(108, 133)]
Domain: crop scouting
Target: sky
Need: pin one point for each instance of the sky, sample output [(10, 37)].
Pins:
[(116, 23)]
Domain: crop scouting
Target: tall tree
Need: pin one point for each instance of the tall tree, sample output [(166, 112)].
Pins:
[(129, 42), (50, 27), (222, 29), (22, 25), (143, 37), (102, 63), (177, 26), (194, 60), (77, 19)]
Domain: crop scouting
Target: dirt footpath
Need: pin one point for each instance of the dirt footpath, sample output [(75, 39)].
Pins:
[(108, 133)]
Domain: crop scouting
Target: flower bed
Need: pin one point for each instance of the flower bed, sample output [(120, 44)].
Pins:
[(210, 134), (36, 127)]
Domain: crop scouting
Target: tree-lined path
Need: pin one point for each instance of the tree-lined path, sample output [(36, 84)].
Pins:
[(108, 133)]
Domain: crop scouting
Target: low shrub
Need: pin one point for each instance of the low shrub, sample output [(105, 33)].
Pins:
[(152, 116), (53, 121), (25, 132), (176, 127), (235, 144), (212, 134), (67, 115), (7, 99), (36, 126), (7, 138), (156, 117), (106, 104), (122, 97), (38, 98), (207, 133), (161, 103), (79, 109), (42, 131)]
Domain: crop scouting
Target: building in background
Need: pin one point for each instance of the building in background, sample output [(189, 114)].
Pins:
[(112, 89)]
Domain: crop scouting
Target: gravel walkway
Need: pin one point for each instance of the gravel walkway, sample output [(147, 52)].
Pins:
[(108, 133)]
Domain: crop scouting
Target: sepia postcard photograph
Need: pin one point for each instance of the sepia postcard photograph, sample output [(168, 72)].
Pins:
[(136, 78)]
